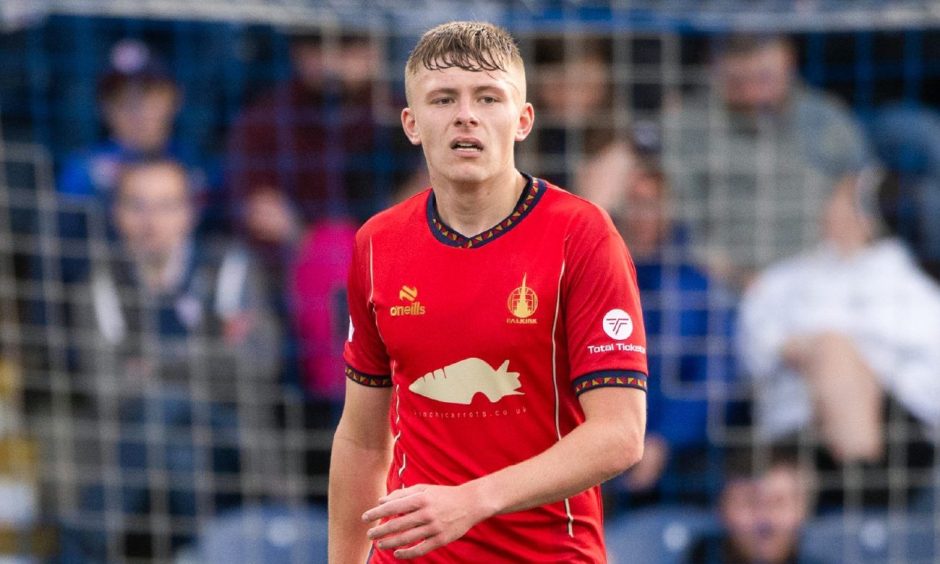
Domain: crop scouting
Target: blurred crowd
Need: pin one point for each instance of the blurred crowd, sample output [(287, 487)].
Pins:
[(787, 253)]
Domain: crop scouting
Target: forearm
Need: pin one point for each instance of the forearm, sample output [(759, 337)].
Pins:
[(357, 480), (587, 456)]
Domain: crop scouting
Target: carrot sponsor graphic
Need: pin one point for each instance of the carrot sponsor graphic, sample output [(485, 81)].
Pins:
[(459, 382)]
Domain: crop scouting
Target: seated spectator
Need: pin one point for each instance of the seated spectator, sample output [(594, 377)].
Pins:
[(574, 92), (754, 159), (687, 318), (841, 342), (139, 101), (177, 357), (765, 502), (312, 147)]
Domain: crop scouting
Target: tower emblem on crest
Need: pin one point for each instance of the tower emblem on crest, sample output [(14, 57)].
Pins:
[(523, 301)]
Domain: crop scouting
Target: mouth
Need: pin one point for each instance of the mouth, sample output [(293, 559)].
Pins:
[(467, 145)]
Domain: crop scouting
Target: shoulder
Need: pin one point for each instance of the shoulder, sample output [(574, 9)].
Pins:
[(787, 275), (822, 108), (395, 220), (892, 255)]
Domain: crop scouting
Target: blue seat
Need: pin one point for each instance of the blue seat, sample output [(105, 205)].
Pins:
[(661, 535), (872, 537), (268, 534)]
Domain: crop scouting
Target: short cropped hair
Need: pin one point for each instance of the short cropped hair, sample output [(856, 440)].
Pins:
[(752, 461), (468, 45), (136, 165)]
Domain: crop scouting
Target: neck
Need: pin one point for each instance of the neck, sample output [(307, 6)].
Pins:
[(473, 208)]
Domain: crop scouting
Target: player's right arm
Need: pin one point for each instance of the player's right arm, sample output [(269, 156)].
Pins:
[(359, 462), (362, 444)]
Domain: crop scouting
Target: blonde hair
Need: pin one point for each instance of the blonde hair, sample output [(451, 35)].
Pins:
[(468, 45)]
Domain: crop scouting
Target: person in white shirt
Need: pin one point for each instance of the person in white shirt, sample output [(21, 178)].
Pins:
[(834, 336)]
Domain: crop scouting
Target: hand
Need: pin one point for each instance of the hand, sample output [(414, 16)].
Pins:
[(236, 328), (424, 518), (271, 218), (797, 351)]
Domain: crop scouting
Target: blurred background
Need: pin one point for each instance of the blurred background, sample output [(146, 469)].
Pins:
[(180, 183)]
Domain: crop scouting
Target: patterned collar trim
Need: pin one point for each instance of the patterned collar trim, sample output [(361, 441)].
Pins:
[(530, 196)]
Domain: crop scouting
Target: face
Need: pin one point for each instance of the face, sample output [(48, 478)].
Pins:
[(764, 515), (644, 216), (141, 118), (153, 212), (757, 81), (467, 122), (352, 63), (575, 89)]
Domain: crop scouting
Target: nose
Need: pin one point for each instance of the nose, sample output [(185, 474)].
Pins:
[(465, 115)]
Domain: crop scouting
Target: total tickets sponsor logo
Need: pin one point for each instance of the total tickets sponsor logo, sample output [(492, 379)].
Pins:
[(618, 325), (413, 307), (616, 347)]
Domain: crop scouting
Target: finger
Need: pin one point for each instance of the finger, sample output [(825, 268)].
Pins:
[(420, 549), (395, 507), (408, 537), (403, 492), (397, 525)]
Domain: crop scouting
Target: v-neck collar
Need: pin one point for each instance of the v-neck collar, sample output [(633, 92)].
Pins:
[(531, 194)]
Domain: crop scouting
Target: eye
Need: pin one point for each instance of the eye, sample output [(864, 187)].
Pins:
[(442, 101), (489, 99)]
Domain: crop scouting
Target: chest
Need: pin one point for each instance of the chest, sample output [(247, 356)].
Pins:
[(435, 304)]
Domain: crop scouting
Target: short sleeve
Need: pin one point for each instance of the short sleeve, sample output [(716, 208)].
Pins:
[(605, 332), (367, 361)]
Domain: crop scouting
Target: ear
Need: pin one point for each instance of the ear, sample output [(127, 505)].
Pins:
[(409, 124), (526, 121)]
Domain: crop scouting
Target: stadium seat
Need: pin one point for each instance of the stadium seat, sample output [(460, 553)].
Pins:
[(872, 537), (270, 534), (657, 536)]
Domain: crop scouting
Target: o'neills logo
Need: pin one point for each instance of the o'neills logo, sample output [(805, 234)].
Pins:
[(407, 294), (413, 309)]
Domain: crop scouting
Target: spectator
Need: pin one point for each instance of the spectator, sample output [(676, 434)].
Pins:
[(754, 160), (687, 317), (177, 356), (312, 150), (319, 309), (311, 147), (574, 90), (139, 101), (765, 502), (841, 350)]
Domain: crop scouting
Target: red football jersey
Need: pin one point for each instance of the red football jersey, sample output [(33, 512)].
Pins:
[(487, 342)]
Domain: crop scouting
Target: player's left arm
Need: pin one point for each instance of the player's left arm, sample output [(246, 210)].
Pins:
[(608, 442)]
